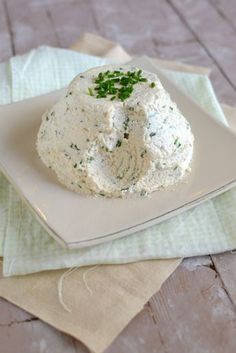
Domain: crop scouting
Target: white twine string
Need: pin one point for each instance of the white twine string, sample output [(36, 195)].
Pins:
[(60, 287), (84, 278), (61, 283)]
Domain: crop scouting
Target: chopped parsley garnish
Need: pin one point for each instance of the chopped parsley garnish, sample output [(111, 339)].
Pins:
[(75, 165), (117, 84), (152, 85)]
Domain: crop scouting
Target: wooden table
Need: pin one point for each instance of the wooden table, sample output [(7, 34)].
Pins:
[(195, 311)]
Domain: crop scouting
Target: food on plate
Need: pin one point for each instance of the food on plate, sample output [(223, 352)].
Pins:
[(116, 132)]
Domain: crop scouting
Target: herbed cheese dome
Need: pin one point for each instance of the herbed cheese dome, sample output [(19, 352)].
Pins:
[(116, 138)]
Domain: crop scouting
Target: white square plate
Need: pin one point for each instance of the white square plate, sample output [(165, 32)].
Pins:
[(78, 221)]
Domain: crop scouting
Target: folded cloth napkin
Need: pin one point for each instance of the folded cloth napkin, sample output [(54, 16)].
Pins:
[(209, 228), (96, 316)]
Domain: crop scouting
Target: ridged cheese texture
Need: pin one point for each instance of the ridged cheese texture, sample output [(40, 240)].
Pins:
[(112, 148)]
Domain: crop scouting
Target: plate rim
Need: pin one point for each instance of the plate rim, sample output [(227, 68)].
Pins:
[(137, 227)]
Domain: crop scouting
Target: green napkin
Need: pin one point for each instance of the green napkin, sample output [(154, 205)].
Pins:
[(208, 228)]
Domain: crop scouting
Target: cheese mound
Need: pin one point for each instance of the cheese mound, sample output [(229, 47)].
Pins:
[(111, 148)]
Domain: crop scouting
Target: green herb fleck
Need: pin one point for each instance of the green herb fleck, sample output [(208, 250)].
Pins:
[(118, 143), (75, 165), (74, 147), (152, 85), (177, 142), (143, 153), (126, 123), (152, 134), (90, 91)]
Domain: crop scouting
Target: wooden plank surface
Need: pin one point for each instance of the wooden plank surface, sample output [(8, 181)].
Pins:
[(217, 37), (6, 43), (30, 25), (225, 265), (226, 10), (155, 30), (208, 322), (195, 311)]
